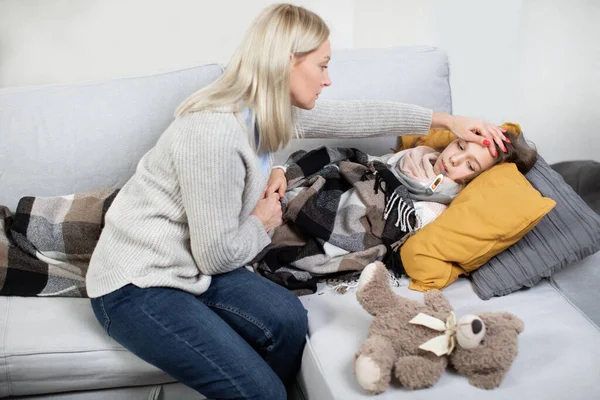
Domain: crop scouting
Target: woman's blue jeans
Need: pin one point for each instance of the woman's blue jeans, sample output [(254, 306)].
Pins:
[(241, 339)]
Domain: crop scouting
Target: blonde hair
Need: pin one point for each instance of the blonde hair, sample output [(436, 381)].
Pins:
[(258, 74)]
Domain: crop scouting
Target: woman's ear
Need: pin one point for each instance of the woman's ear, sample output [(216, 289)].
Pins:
[(293, 60)]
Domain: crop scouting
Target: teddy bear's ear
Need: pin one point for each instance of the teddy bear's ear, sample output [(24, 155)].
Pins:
[(512, 321), (436, 300)]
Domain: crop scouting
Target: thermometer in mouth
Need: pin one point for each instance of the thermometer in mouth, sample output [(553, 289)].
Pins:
[(436, 182)]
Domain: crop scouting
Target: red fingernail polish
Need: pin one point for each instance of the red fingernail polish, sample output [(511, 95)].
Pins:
[(506, 151), (507, 140), (486, 142)]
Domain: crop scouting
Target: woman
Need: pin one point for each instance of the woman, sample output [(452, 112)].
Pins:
[(167, 278)]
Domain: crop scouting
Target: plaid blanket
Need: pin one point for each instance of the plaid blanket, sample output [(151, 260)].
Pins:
[(45, 247), (342, 212)]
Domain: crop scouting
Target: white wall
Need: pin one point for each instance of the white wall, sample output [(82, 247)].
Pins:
[(536, 62)]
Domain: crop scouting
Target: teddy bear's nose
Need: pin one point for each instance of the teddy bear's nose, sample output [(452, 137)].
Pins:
[(476, 325)]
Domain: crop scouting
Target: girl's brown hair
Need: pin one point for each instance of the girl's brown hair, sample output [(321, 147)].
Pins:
[(519, 152)]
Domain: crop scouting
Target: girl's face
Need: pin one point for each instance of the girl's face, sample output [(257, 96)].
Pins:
[(462, 160), (309, 76)]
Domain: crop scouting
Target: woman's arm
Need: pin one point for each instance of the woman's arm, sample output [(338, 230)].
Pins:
[(364, 118), (441, 120), (367, 118)]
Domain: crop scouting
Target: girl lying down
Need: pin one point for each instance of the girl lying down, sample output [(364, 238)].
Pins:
[(345, 209)]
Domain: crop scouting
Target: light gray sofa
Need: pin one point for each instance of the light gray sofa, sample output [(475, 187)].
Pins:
[(63, 139)]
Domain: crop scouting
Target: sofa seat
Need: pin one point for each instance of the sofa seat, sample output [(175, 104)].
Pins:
[(53, 345), (559, 350)]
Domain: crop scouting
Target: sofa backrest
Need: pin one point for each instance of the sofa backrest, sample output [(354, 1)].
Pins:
[(58, 140)]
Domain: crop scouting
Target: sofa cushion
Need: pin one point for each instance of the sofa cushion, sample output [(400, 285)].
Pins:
[(73, 138), (56, 345), (558, 350), (579, 284)]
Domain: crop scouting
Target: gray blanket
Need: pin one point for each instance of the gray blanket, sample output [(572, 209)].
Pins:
[(344, 212), (45, 247)]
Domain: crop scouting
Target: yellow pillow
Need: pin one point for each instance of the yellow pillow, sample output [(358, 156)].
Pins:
[(436, 138), (493, 212)]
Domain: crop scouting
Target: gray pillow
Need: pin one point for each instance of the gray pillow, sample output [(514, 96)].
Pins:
[(568, 233)]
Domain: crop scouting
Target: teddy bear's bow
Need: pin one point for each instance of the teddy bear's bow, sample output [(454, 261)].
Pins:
[(439, 345)]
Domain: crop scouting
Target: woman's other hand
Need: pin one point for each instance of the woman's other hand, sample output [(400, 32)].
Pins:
[(472, 130), (268, 210), (276, 184)]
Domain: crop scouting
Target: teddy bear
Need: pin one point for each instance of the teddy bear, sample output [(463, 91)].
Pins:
[(417, 341)]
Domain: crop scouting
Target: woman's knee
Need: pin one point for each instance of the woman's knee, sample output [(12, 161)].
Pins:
[(292, 321)]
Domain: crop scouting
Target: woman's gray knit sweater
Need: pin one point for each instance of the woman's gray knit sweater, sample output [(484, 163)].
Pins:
[(186, 212)]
